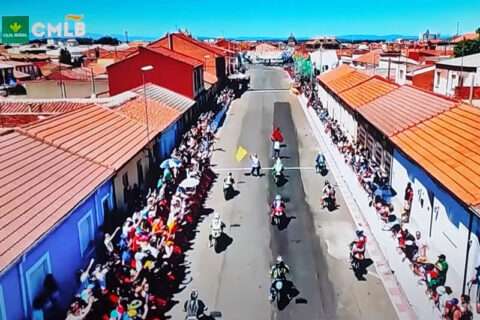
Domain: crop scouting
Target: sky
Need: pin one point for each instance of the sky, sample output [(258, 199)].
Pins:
[(152, 18)]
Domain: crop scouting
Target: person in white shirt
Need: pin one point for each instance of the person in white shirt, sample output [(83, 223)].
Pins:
[(255, 165), (276, 149)]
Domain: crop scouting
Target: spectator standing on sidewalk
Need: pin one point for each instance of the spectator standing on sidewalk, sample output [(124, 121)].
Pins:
[(476, 280), (255, 165), (407, 203)]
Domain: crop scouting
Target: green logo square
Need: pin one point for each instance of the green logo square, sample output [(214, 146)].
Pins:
[(15, 30)]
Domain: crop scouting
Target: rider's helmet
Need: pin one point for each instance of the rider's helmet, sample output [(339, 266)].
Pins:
[(327, 183), (216, 216), (279, 260), (278, 197), (229, 174), (359, 232), (194, 294)]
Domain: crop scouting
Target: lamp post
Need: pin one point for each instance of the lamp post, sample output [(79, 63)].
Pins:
[(145, 69)]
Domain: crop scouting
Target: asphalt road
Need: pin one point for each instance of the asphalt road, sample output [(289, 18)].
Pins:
[(314, 243)]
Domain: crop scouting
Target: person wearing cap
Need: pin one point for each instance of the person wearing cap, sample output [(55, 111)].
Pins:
[(442, 267), (452, 310)]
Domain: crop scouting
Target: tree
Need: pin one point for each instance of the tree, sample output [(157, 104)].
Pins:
[(468, 47), (107, 40), (65, 56)]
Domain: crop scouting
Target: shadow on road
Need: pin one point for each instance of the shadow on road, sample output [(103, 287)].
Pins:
[(289, 292), (362, 271), (223, 242), (285, 222), (232, 195)]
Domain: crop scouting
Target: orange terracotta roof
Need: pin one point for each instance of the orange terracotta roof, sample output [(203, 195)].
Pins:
[(95, 133), (118, 54), (202, 44), (367, 91), (347, 81), (175, 55), (8, 120), (466, 36), (160, 116), (335, 73), (370, 58), (448, 147), (209, 77), (39, 186), (40, 105), (403, 108)]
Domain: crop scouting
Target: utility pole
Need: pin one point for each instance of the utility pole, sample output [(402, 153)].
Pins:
[(458, 23)]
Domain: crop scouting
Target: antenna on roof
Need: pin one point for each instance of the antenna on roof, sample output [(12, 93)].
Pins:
[(458, 23)]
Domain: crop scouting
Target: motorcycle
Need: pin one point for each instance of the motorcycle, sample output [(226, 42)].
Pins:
[(278, 290), (355, 258), (330, 202), (216, 233), (227, 190), (278, 176), (278, 214)]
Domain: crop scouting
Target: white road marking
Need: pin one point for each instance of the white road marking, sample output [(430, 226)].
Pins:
[(268, 168)]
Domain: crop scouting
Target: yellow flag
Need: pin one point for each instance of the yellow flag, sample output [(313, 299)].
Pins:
[(241, 153)]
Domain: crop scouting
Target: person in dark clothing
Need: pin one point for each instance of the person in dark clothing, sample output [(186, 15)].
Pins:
[(407, 203), (194, 307)]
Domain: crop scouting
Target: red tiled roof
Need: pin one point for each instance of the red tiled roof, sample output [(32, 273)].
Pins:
[(370, 58), (40, 106), (367, 91), (403, 108), (119, 55), (448, 147), (335, 73), (175, 55), (16, 120), (202, 44), (70, 74), (39, 186), (209, 77), (95, 133), (347, 81), (160, 116), (466, 36)]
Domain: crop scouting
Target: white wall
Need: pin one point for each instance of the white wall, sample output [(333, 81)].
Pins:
[(445, 81), (131, 169), (448, 237)]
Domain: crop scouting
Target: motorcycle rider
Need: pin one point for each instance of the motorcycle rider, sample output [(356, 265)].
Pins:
[(320, 162), (357, 251), (228, 182), (277, 272), (277, 204), (278, 167), (327, 192), (194, 307), (216, 224)]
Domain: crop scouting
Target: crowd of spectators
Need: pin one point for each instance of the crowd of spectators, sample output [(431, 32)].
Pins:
[(145, 263), (376, 183)]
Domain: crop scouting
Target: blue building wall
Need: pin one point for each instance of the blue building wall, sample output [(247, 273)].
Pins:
[(435, 206), (63, 250), (167, 140)]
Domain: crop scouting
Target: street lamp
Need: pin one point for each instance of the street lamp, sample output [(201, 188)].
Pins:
[(205, 58), (145, 69)]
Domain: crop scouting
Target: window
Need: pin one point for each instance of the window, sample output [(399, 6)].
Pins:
[(452, 83), (140, 173), (35, 276), (401, 74), (105, 211), (125, 179), (86, 233), (438, 78), (3, 305)]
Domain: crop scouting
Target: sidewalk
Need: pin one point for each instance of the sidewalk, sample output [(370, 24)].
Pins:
[(388, 260)]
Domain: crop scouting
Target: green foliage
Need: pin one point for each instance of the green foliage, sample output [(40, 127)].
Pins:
[(107, 40), (65, 56), (468, 47)]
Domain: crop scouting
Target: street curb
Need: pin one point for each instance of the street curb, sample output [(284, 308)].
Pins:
[(393, 288)]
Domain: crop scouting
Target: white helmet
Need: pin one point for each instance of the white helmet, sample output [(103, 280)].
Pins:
[(216, 215), (278, 197), (279, 259)]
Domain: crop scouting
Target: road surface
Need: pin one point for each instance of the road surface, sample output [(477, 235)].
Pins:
[(314, 244)]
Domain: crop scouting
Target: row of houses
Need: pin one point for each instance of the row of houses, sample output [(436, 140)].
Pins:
[(67, 176), (420, 137)]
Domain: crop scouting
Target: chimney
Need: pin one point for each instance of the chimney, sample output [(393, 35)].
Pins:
[(170, 41)]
